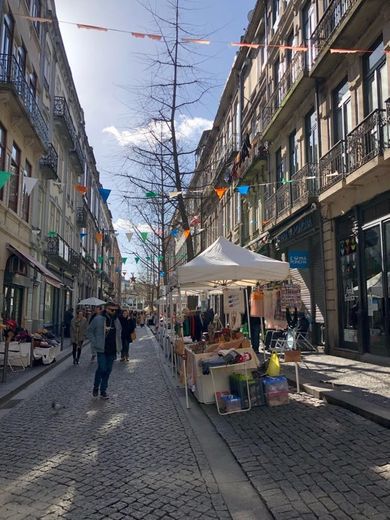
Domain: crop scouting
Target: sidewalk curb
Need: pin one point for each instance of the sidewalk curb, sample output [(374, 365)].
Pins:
[(8, 396), (373, 412)]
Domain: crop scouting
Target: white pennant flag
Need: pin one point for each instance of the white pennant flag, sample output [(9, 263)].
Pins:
[(129, 235), (174, 194), (29, 184)]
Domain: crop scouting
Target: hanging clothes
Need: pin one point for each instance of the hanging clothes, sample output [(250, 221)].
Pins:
[(290, 296), (257, 304)]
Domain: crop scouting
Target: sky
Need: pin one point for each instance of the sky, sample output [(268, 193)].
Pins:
[(106, 66)]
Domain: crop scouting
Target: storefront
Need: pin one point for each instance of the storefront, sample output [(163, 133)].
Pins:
[(363, 270), (300, 243), (16, 284)]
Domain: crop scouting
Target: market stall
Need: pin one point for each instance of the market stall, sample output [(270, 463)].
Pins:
[(225, 266)]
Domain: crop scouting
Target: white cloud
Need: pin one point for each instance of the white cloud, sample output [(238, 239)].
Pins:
[(188, 128), (122, 225)]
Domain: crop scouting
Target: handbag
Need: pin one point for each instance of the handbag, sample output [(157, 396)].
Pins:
[(133, 336)]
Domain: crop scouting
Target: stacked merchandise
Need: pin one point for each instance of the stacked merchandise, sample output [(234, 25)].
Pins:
[(276, 390)]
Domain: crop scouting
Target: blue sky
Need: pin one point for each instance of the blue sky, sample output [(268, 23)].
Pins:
[(105, 65)]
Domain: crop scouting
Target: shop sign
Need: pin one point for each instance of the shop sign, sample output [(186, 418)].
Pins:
[(350, 335), (298, 259), (297, 229)]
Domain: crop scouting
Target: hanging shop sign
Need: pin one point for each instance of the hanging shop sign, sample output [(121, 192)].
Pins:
[(298, 259)]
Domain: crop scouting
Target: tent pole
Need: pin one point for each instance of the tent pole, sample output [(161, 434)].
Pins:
[(247, 314)]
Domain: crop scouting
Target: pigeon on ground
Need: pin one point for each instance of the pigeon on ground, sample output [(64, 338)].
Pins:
[(57, 406)]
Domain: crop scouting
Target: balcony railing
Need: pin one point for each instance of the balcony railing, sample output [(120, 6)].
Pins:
[(58, 250), (283, 199), (332, 166), (269, 207), (12, 75), (49, 162), (61, 111), (366, 141), (81, 216), (304, 183), (294, 71), (337, 11)]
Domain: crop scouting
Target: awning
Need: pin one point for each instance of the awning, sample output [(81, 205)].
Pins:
[(48, 275)]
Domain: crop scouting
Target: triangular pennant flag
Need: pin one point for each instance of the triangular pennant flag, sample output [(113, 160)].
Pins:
[(4, 178), (162, 274), (195, 220), (129, 236), (174, 194), (124, 260), (29, 184), (220, 192), (82, 235), (160, 258), (150, 195), (136, 259), (52, 234), (104, 194), (99, 237), (243, 190), (186, 233), (174, 232), (148, 258), (144, 235), (118, 269), (81, 189), (100, 259), (111, 258)]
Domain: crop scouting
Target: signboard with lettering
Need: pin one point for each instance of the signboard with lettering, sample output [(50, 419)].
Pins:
[(298, 259)]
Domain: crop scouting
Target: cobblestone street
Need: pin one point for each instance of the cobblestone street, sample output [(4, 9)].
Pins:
[(130, 457), (309, 460)]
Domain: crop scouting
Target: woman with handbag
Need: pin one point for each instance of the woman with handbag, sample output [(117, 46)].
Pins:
[(78, 333)]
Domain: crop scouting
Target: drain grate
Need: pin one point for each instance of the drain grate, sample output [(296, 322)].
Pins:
[(10, 404)]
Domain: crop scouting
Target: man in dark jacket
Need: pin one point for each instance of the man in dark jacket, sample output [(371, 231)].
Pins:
[(104, 333)]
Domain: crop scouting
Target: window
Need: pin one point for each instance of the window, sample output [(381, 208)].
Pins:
[(14, 181), (292, 153), (276, 78), (33, 84), (342, 123), (8, 35), (308, 26), (36, 12), (3, 147), (375, 78), (26, 198), (279, 166), (22, 58), (311, 138), (47, 66)]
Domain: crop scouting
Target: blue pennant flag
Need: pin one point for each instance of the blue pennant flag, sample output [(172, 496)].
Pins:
[(104, 194), (82, 235), (162, 274), (174, 232), (243, 190)]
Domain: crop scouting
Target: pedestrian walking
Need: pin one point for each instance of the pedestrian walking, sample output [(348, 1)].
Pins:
[(95, 312), (142, 319), (68, 317), (104, 333), (78, 333), (128, 326)]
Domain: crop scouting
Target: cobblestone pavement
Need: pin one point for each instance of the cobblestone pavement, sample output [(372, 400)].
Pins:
[(367, 381), (309, 460), (132, 457)]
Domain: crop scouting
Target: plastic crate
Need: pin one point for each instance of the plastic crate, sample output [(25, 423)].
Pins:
[(277, 398), (275, 384), (256, 392)]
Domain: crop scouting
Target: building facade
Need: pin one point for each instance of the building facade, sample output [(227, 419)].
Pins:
[(304, 123), (51, 210)]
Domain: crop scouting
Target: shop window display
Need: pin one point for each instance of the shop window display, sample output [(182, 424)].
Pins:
[(349, 287)]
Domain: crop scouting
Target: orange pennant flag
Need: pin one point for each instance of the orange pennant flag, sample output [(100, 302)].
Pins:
[(220, 192), (156, 37), (92, 27), (99, 237), (138, 35), (186, 233), (81, 189)]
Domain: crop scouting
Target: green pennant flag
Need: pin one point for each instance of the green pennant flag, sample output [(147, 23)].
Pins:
[(4, 178), (160, 258), (124, 260), (52, 234), (111, 258), (136, 259), (144, 235), (150, 195), (100, 259), (148, 258)]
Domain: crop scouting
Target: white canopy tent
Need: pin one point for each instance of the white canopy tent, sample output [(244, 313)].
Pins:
[(226, 264), (93, 302)]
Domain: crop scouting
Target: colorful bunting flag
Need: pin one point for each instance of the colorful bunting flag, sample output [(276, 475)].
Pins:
[(29, 184), (174, 232), (160, 258), (137, 259), (52, 234), (195, 220), (144, 235), (4, 178), (129, 236), (186, 233), (220, 192), (148, 258), (81, 189), (82, 235), (174, 194), (124, 260), (99, 237), (100, 259), (150, 195), (111, 258), (104, 194), (243, 190), (162, 274)]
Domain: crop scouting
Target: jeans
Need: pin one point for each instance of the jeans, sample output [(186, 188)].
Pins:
[(125, 348), (103, 370), (255, 324), (76, 351)]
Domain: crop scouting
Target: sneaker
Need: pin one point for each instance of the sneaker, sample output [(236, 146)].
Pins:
[(127, 359), (123, 359), (95, 392), (104, 395)]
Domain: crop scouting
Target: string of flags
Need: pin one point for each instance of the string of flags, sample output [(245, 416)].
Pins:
[(196, 41)]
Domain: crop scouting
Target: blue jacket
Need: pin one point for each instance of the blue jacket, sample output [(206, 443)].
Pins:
[(96, 333)]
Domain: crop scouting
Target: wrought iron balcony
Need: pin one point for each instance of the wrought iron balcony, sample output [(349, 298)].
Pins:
[(60, 252), (366, 141), (336, 13), (269, 206), (332, 166), (74, 260), (49, 163), (283, 200), (293, 74), (61, 112), (11, 75), (78, 156), (304, 184), (81, 216)]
